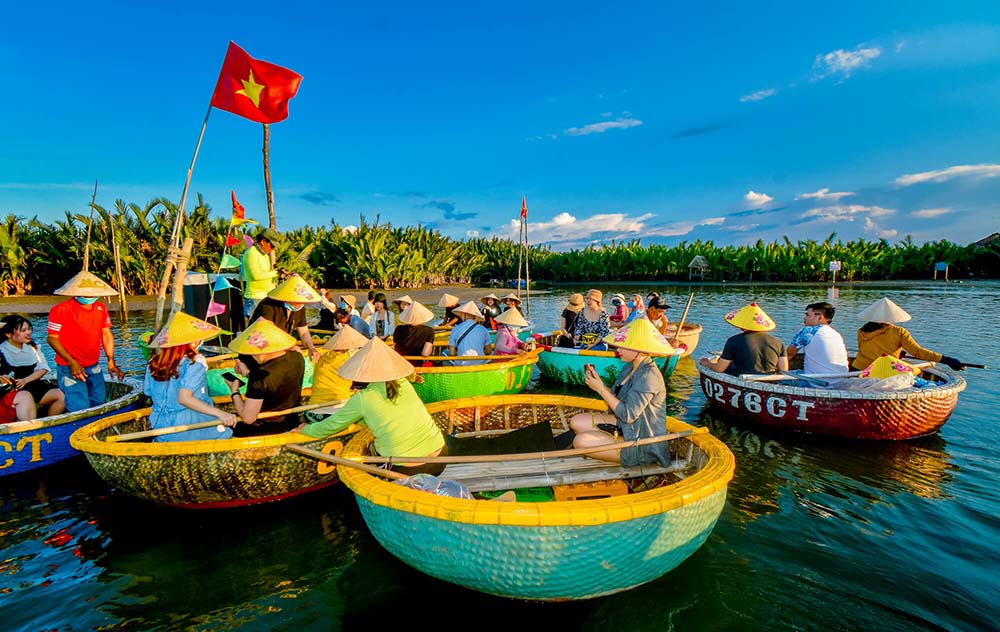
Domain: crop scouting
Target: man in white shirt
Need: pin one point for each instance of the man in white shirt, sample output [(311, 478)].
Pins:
[(824, 349)]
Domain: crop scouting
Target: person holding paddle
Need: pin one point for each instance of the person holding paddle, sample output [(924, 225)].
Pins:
[(879, 336), (637, 400), (177, 381), (389, 406)]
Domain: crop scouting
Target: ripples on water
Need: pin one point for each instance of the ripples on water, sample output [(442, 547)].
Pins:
[(817, 534)]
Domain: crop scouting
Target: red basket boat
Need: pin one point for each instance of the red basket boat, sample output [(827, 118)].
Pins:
[(891, 415)]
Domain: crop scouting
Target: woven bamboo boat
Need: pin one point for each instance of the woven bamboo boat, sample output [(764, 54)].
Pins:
[(26, 445), (892, 415), (209, 473), (507, 375), (547, 551), (687, 341), (567, 365)]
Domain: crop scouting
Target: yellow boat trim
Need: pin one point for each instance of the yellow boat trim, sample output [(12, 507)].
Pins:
[(713, 477)]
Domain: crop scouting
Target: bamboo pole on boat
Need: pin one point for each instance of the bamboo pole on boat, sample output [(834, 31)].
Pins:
[(90, 224), (173, 250), (120, 278), (177, 301), (680, 325), (331, 458), (272, 221), (778, 377)]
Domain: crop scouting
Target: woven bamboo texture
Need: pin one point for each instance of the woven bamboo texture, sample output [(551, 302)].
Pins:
[(206, 474), (493, 378), (547, 551), (885, 415), (27, 445)]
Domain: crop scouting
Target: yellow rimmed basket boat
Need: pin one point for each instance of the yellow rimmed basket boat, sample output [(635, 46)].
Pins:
[(500, 375), (547, 551), (206, 474)]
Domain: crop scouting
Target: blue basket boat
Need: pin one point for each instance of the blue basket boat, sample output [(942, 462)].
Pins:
[(567, 549)]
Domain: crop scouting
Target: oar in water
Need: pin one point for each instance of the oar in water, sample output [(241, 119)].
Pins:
[(158, 432)]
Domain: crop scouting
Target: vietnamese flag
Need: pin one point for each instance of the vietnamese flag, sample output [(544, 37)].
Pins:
[(524, 208), (232, 240), (239, 215), (254, 89)]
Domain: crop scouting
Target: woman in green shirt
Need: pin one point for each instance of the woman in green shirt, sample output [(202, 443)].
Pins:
[(389, 406)]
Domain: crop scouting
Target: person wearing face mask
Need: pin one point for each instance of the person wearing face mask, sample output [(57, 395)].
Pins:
[(177, 381), (78, 328), (284, 306)]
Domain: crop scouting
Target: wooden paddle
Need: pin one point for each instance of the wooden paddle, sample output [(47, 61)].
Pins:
[(157, 432), (332, 458), (805, 378), (684, 316)]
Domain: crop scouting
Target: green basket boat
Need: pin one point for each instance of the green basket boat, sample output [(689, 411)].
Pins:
[(502, 376), (547, 551), (208, 473), (567, 365)]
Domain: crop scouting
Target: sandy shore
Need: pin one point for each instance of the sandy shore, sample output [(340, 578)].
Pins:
[(429, 297)]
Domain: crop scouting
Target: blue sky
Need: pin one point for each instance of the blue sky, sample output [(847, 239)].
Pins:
[(663, 121)]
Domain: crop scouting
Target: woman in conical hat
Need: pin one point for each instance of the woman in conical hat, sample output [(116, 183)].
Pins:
[(274, 378), (507, 342), (468, 338), (285, 307), (327, 385), (637, 400), (449, 302), (753, 350), (388, 405), (511, 301), (177, 381), (879, 336), (490, 307), (413, 337)]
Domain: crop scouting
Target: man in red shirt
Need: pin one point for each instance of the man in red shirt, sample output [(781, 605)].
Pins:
[(78, 328)]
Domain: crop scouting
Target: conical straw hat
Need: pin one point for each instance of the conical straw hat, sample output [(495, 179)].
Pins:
[(415, 314), (350, 299), (86, 284), (511, 295), (295, 290), (182, 329), (403, 299), (887, 366), (347, 338), (642, 336), (884, 311), (513, 318), (471, 309), (492, 296), (262, 336), (751, 317), (447, 300), (375, 362)]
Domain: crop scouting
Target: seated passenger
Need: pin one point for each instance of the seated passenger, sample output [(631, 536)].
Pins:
[(413, 337), (20, 356), (511, 301), (753, 350), (468, 338), (591, 324), (327, 385), (381, 323), (619, 313), (342, 318), (638, 400), (569, 314), (879, 336), (449, 303), (490, 307), (177, 381), (507, 342), (274, 380), (388, 405), (656, 312), (401, 304), (637, 308), (285, 307), (821, 344)]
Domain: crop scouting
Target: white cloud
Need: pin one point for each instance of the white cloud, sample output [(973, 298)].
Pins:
[(849, 212), (600, 128), (677, 229), (760, 95), (843, 62), (901, 44), (971, 171), (872, 227), (757, 200), (824, 194), (351, 229), (931, 212), (472, 234)]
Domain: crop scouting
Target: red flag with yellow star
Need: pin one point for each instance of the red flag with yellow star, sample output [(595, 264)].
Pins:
[(254, 89)]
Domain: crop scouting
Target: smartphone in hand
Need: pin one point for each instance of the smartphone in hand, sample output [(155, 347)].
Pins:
[(229, 376)]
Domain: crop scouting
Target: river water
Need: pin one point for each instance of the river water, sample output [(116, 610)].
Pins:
[(817, 534)]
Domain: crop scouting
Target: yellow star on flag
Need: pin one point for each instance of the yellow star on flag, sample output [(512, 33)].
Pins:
[(251, 90)]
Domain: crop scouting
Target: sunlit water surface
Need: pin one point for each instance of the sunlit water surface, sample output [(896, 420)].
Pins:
[(817, 534)]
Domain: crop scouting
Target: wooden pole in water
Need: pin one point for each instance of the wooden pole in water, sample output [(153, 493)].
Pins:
[(684, 316), (272, 221), (122, 304), (90, 224)]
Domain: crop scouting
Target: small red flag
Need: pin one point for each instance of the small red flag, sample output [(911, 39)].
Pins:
[(238, 210), (232, 240), (524, 208), (254, 89)]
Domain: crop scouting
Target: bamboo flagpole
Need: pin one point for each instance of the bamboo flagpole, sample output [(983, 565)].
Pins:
[(90, 224), (527, 258)]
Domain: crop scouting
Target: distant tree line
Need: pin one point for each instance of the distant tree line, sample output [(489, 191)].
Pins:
[(37, 257)]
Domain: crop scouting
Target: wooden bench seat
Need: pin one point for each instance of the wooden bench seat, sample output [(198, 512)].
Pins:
[(497, 476)]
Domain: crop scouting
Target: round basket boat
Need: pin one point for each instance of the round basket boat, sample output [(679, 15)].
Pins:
[(26, 445), (894, 415), (567, 365), (208, 473), (582, 547), (509, 374), (687, 340)]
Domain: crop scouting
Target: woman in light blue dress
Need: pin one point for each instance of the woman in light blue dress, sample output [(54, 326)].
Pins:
[(176, 381)]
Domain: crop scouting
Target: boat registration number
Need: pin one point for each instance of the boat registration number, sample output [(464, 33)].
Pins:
[(753, 402), (31, 444)]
